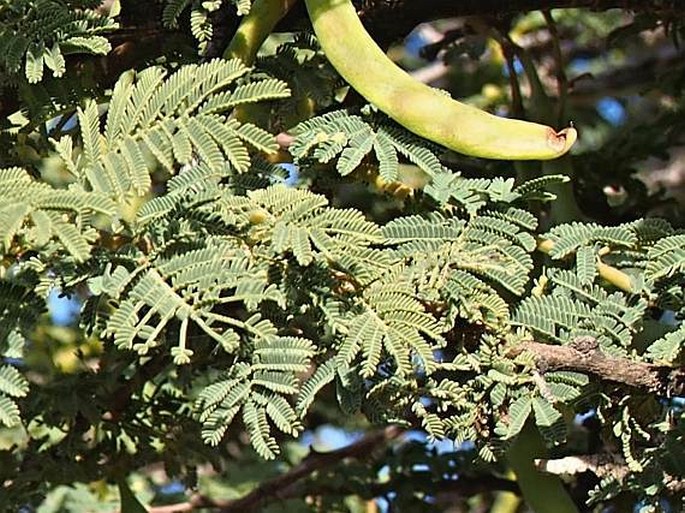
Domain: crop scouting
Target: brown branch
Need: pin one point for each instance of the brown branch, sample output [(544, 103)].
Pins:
[(290, 485), (389, 20), (464, 486), (602, 465), (282, 486), (584, 355), (313, 462)]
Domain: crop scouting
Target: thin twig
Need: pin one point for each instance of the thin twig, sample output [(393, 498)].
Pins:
[(514, 85), (562, 79)]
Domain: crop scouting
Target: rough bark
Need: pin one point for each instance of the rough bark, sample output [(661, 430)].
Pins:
[(584, 355)]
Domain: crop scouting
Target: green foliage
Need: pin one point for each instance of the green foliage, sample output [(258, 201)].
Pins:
[(39, 34), (12, 385), (473, 193), (201, 12), (260, 391), (313, 81), (668, 348), (224, 314), (349, 138), (173, 119), (39, 215), (568, 238)]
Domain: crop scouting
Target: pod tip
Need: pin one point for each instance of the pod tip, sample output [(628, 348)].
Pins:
[(562, 140)]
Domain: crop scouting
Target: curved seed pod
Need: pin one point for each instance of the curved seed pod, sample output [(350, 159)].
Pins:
[(426, 111)]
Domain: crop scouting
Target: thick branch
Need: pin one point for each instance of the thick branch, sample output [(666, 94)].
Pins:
[(584, 355), (389, 20)]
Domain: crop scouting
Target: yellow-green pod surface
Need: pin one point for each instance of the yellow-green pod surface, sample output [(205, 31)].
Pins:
[(255, 27), (424, 110)]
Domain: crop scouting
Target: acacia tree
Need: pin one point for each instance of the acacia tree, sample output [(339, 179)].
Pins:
[(265, 238)]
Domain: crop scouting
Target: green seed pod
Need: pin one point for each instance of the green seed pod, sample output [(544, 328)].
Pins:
[(426, 111)]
